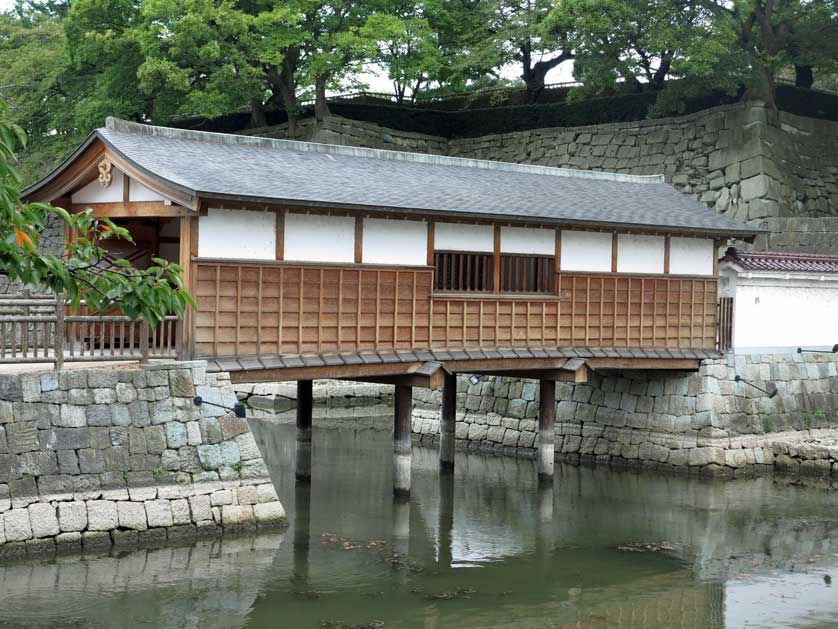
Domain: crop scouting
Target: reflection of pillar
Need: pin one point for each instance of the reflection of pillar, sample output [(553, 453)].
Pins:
[(545, 499), (446, 519), (302, 530), (401, 440), (304, 407), (401, 526), (448, 422), (546, 429)]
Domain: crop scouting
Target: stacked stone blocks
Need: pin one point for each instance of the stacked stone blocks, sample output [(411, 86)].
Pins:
[(755, 165), (700, 422), (98, 456)]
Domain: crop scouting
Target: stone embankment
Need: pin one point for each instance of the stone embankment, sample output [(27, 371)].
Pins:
[(333, 399), (94, 457), (701, 422), (687, 422), (753, 164)]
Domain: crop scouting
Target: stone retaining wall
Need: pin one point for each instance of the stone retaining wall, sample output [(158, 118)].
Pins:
[(698, 422), (333, 399), (91, 457), (755, 165)]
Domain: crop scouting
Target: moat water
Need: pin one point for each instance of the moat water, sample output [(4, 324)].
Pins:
[(486, 548)]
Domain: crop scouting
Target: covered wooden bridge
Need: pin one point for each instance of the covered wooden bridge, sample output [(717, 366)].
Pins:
[(313, 261)]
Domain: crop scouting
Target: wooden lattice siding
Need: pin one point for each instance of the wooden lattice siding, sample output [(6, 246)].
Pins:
[(493, 322), (250, 309), (627, 311)]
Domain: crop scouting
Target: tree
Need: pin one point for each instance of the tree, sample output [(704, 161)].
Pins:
[(148, 294), (104, 56), (407, 46), (31, 62), (630, 40), (774, 33), (521, 32)]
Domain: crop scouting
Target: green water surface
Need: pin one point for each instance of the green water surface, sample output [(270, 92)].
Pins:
[(487, 547)]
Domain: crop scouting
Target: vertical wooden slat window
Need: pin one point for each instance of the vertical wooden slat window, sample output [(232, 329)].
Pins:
[(463, 271), (527, 273)]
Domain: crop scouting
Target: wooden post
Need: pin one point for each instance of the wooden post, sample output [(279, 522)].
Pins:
[(305, 403), (144, 332), (448, 423), (546, 429), (60, 331), (24, 328), (402, 456), (446, 519), (496, 258), (188, 249), (302, 532)]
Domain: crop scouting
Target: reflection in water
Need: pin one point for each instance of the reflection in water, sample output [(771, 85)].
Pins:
[(486, 546)]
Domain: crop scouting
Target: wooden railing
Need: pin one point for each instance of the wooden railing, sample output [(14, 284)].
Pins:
[(464, 271), (252, 308), (39, 329), (724, 339)]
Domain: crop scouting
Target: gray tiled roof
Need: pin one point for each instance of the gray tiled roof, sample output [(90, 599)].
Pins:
[(223, 166)]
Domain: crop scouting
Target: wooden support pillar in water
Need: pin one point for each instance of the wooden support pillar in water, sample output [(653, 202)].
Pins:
[(305, 402), (448, 423), (546, 429), (403, 403), (302, 533), (445, 552)]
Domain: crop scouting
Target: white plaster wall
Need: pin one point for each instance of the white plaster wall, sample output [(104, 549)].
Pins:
[(462, 237), (528, 240), (586, 251), (395, 242), (319, 238), (691, 256), (139, 192), (638, 253), (239, 234), (785, 316), (95, 193)]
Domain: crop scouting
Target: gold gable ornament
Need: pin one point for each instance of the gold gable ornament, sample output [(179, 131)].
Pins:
[(105, 174)]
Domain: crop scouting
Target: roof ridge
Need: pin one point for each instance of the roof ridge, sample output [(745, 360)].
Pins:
[(790, 255), (125, 126)]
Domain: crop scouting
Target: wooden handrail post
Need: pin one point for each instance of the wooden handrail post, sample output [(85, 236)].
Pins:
[(144, 332), (24, 329), (58, 341)]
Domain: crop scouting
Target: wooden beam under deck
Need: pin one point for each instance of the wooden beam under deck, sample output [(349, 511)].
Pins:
[(420, 375), (326, 372), (434, 381), (678, 364)]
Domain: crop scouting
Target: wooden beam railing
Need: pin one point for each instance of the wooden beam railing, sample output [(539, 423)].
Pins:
[(52, 335)]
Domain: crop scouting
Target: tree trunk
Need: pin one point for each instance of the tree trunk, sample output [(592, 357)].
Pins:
[(659, 76), (284, 88), (534, 79), (257, 114), (321, 105), (762, 84), (804, 76), (535, 75)]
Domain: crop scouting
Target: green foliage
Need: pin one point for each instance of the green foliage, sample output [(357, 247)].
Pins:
[(148, 294), (65, 66)]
